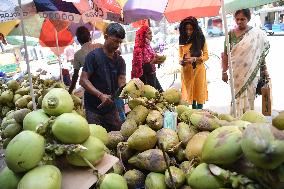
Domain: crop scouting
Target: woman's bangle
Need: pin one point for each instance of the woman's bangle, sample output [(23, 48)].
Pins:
[(224, 72)]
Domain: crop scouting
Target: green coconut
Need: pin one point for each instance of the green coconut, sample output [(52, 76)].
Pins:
[(226, 117), (139, 114), (27, 97), (263, 145), (118, 168), (254, 117), (195, 145), (202, 178), (186, 167), (142, 139), (43, 177), (13, 85), (223, 146), (112, 180), (115, 137), (30, 105), (24, 151), (5, 110), (137, 101), (124, 152), (181, 108), (185, 132), (132, 89), (12, 130), (16, 97), (71, 128), (155, 120), (128, 128), (7, 96), (204, 122), (134, 178), (151, 160), (150, 92), (99, 132), (94, 153), (278, 121), (23, 91), (33, 119), (240, 123), (7, 122), (155, 181), (19, 115), (177, 175), (21, 103), (57, 101), (185, 116), (9, 179), (168, 138), (172, 96)]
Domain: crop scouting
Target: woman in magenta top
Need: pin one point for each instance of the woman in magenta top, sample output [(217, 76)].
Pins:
[(145, 58)]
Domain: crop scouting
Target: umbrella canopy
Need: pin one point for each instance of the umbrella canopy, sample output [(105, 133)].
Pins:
[(173, 10), (33, 25), (178, 10), (7, 27), (55, 33), (233, 5)]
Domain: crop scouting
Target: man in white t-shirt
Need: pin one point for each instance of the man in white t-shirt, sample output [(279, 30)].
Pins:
[(84, 38)]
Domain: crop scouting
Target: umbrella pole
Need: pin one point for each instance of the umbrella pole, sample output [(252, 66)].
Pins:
[(27, 57), (59, 60), (229, 59)]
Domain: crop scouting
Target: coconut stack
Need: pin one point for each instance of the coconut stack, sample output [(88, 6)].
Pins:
[(37, 143), (204, 150), (15, 94)]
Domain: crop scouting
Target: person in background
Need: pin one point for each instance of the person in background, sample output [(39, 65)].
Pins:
[(193, 53), (102, 76), (145, 59), (84, 38), (249, 47)]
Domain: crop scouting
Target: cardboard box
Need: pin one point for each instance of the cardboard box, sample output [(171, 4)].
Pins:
[(266, 92), (83, 178)]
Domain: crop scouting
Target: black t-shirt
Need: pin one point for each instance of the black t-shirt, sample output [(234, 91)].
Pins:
[(104, 77)]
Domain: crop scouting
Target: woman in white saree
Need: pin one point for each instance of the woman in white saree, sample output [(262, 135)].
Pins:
[(249, 47)]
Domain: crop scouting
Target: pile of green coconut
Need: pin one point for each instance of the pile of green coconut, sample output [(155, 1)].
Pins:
[(205, 150), (37, 142), (15, 94)]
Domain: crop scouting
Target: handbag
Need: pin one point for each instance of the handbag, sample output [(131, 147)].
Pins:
[(266, 92), (263, 80)]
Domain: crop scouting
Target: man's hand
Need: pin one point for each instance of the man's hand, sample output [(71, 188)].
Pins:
[(106, 100)]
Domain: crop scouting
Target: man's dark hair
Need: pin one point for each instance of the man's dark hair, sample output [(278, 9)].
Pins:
[(115, 30), (246, 12), (83, 35)]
